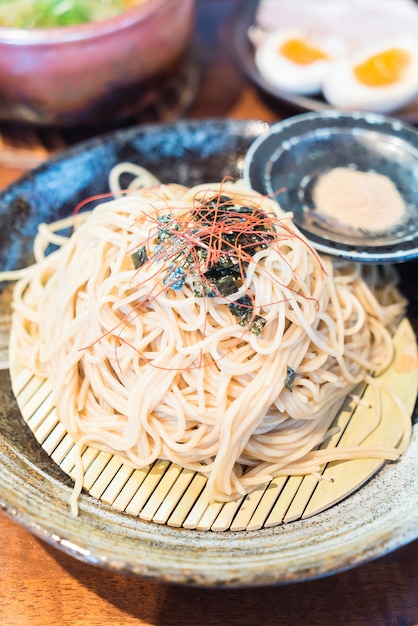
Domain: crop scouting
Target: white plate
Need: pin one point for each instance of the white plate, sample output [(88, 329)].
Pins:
[(244, 54)]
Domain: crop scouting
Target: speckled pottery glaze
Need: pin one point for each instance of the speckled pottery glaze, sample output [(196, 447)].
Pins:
[(378, 518)]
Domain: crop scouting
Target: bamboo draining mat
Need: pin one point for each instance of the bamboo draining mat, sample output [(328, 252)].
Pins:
[(165, 493)]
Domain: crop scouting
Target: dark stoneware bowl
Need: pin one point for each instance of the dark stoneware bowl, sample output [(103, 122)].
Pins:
[(92, 72), (34, 492)]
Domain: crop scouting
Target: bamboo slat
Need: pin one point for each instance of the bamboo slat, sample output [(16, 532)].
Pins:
[(165, 493)]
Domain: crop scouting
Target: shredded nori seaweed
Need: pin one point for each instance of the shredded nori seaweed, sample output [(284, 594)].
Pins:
[(290, 377), (139, 257), (214, 262)]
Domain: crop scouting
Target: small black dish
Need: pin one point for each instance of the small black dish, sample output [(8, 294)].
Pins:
[(286, 162)]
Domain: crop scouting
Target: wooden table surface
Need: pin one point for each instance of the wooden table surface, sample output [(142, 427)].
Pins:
[(42, 586)]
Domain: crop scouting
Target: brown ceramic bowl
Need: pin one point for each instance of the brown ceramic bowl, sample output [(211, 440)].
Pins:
[(94, 72)]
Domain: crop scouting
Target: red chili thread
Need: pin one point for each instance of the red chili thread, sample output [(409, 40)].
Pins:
[(191, 233)]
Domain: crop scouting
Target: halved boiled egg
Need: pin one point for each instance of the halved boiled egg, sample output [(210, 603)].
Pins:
[(295, 62), (381, 77)]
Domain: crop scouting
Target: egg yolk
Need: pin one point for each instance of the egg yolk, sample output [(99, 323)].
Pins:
[(301, 52), (383, 69)]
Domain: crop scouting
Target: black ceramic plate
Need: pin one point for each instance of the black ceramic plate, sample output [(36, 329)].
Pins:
[(244, 53), (380, 517)]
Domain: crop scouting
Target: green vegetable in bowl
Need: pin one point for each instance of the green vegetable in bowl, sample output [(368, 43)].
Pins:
[(52, 13)]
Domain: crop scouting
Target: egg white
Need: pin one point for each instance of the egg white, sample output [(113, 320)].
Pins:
[(281, 72), (343, 90)]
